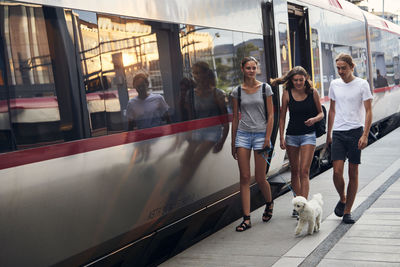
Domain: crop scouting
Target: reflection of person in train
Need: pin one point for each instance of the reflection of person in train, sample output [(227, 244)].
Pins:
[(305, 109), (146, 110), (203, 102), (252, 131), (186, 84), (380, 80)]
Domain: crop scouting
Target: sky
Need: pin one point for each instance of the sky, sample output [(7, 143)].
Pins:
[(390, 5)]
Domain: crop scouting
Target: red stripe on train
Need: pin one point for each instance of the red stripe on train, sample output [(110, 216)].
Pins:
[(384, 89), (22, 157)]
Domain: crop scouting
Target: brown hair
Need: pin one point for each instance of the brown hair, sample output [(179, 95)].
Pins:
[(140, 76), (287, 79), (345, 58), (247, 59), (205, 68)]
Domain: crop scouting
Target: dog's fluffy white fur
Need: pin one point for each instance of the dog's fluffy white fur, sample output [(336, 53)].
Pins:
[(309, 212)]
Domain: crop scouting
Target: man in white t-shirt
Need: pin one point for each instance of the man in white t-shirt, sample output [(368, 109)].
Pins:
[(350, 117), (146, 110)]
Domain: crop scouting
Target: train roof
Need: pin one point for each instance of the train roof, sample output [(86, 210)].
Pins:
[(381, 23), (237, 15), (338, 6)]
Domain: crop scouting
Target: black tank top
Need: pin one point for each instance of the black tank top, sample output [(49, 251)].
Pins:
[(299, 112)]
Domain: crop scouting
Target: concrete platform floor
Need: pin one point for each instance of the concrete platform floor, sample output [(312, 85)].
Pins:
[(374, 240)]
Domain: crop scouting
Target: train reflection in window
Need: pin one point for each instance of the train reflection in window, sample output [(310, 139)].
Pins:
[(113, 50), (214, 47), (33, 102)]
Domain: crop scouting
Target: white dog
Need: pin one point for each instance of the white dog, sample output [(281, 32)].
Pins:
[(309, 212)]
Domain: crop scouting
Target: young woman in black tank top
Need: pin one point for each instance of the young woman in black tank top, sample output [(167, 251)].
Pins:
[(304, 111)]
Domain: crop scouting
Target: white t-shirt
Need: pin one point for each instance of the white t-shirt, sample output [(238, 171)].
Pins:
[(147, 112), (349, 103)]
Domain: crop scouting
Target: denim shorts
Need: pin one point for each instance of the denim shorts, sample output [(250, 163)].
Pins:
[(345, 145), (250, 140), (301, 140)]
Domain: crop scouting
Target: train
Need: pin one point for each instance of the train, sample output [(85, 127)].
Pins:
[(79, 187)]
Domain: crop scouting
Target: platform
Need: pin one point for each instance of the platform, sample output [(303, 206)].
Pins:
[(374, 240)]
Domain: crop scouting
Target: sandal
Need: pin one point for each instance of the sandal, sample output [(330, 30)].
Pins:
[(244, 226), (269, 208)]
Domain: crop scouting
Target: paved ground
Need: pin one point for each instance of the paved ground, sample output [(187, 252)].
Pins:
[(374, 240)]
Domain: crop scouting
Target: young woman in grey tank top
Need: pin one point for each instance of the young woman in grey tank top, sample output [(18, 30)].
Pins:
[(299, 98), (252, 132)]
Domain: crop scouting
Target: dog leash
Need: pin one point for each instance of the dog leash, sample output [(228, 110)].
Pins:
[(266, 150)]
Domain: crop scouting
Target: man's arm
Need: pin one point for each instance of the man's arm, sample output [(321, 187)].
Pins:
[(331, 119), (362, 143)]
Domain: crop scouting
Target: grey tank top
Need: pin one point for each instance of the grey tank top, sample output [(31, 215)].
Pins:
[(252, 109)]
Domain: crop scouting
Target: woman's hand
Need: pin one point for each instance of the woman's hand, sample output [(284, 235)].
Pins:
[(218, 146), (267, 143), (283, 143), (234, 152), (310, 121)]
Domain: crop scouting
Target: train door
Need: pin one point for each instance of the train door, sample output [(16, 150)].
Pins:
[(271, 64), (299, 34)]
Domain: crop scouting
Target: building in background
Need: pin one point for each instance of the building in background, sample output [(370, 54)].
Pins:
[(391, 16)]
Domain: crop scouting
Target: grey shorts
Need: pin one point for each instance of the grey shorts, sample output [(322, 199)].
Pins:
[(345, 145)]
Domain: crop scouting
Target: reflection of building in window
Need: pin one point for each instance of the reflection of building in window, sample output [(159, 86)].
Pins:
[(198, 44), (195, 45), (29, 56), (114, 35)]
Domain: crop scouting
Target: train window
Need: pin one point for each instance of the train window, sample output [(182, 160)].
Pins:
[(253, 45), (31, 93), (206, 49), (284, 48), (360, 59), (385, 58), (128, 48), (316, 61), (114, 50), (83, 29), (6, 143), (329, 54)]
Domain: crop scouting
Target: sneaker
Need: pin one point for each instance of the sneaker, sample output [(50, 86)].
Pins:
[(348, 219), (295, 214), (339, 209)]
